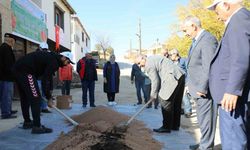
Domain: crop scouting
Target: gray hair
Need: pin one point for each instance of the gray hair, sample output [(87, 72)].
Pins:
[(234, 1), (194, 20), (139, 58), (174, 51)]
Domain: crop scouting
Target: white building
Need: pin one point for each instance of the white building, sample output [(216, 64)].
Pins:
[(58, 13), (80, 41)]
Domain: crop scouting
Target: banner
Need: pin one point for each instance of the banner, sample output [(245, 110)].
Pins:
[(28, 21)]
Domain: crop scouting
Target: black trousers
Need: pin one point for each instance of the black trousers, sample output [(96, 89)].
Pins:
[(111, 96), (171, 108), (30, 97), (248, 125), (66, 87)]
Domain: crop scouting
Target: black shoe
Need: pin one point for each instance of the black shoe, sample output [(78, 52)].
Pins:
[(139, 103), (188, 115), (175, 129), (84, 106), (182, 112), (93, 105), (149, 106), (156, 107), (162, 130), (45, 111), (13, 111), (9, 117), (194, 147), (41, 130), (27, 125)]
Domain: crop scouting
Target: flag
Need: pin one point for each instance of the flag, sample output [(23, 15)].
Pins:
[(57, 30)]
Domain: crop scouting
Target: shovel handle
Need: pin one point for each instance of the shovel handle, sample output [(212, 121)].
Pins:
[(138, 112), (64, 115)]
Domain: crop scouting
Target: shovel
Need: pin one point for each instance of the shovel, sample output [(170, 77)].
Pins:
[(50, 104), (67, 117), (122, 127)]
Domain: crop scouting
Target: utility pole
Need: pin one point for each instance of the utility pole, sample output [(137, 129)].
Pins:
[(139, 36)]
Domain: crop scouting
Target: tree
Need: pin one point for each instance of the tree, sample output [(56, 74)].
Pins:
[(209, 22), (103, 43)]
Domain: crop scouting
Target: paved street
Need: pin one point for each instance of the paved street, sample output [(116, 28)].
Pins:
[(189, 133)]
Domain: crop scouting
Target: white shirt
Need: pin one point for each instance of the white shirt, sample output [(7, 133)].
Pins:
[(199, 34)]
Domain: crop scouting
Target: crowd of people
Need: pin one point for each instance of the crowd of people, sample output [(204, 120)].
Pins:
[(215, 75)]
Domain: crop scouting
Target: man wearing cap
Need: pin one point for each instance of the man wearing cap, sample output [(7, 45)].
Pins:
[(200, 56), (229, 79), (27, 70), (7, 59)]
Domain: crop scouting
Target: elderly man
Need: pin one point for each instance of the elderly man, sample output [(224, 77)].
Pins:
[(167, 82), (7, 59), (181, 62), (229, 79), (138, 78), (200, 55), (86, 68)]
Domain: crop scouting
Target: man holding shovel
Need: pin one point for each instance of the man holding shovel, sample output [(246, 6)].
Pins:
[(27, 70), (168, 83)]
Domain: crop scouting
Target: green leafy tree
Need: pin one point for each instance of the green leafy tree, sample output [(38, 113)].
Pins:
[(208, 19)]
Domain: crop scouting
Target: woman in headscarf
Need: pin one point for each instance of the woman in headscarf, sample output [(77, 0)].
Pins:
[(111, 78)]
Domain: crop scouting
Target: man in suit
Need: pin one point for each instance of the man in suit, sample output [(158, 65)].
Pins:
[(167, 82), (229, 79), (182, 63), (199, 58)]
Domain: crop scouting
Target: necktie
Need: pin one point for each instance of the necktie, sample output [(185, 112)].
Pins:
[(191, 47)]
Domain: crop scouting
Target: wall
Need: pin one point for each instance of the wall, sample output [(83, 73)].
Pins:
[(48, 7), (6, 17), (76, 47)]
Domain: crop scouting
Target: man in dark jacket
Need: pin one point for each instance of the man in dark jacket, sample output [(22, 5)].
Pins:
[(26, 71), (86, 68), (7, 59), (138, 78)]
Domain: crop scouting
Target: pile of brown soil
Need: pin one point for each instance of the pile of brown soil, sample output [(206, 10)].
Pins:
[(95, 132)]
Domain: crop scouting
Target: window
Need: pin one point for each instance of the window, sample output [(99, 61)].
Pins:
[(59, 17), (83, 36), (81, 50), (76, 39), (86, 42)]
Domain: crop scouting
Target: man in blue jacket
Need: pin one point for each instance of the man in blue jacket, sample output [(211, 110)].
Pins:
[(229, 79)]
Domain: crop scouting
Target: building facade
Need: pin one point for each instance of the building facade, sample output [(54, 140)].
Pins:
[(80, 40), (58, 18)]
